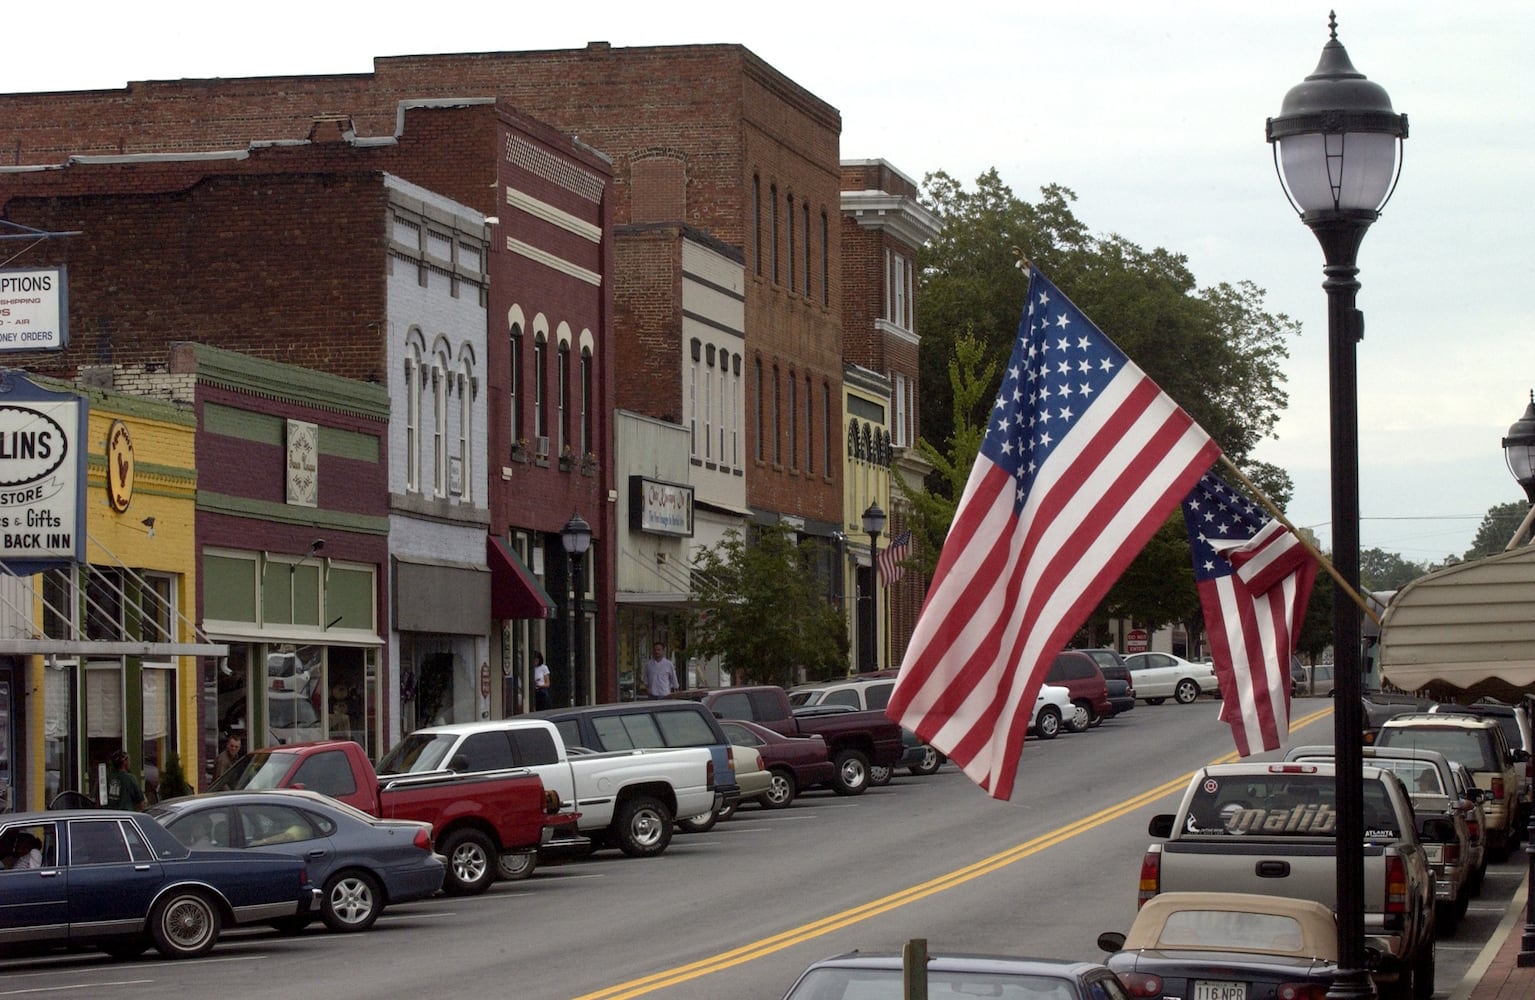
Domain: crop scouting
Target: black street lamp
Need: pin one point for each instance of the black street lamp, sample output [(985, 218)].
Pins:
[(874, 526), (1336, 146), (1519, 452), (576, 536)]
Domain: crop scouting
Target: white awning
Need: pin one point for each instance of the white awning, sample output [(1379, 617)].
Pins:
[(1469, 627)]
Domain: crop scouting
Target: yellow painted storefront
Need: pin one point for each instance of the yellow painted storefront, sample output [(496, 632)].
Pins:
[(113, 634)]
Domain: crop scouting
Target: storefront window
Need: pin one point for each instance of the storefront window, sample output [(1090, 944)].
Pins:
[(7, 780), (294, 694), (346, 713), (103, 718), (61, 766), (159, 680), (231, 678)]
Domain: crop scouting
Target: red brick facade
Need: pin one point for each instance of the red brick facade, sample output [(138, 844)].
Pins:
[(700, 128)]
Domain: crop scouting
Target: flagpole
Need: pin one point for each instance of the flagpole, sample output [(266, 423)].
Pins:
[(1277, 515)]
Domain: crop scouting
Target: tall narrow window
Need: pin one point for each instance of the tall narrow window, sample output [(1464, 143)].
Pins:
[(465, 427), (757, 404), (825, 258), (793, 420), (789, 225), (514, 372), (693, 409), (725, 381), (899, 315), (413, 421), (809, 426), (805, 214), (900, 411), (777, 421), (441, 379), (709, 406), (562, 396), (757, 223), (586, 402), (540, 411), (773, 228), (735, 413), (826, 423)]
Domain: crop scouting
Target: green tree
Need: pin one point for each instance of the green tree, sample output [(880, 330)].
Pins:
[(1381, 570), (1316, 628), (1498, 526), (761, 607)]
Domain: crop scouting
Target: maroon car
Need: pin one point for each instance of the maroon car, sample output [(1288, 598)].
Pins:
[(795, 761)]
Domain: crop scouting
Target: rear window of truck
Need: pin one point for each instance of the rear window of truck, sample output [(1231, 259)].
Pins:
[(1285, 805)]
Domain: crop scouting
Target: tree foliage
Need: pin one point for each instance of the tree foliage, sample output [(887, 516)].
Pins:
[(1382, 570), (1216, 351), (1497, 528), (761, 607)]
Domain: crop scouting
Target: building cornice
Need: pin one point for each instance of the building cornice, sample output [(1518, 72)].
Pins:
[(901, 217)]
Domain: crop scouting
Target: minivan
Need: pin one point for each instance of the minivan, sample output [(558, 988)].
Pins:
[(1078, 673), (1117, 675)]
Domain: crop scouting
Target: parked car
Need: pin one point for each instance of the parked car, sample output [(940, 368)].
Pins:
[(1052, 707), (862, 975), (360, 862), (1515, 721), (1472, 798), (756, 783), (1117, 676), (869, 691), (794, 762), (1078, 673), (120, 881), (1479, 744), (1160, 676), (1319, 680), (1226, 944)]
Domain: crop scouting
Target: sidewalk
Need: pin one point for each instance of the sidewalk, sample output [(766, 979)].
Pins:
[(1496, 975)]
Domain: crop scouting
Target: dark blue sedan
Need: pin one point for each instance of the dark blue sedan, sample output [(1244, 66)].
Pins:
[(120, 881), (361, 863)]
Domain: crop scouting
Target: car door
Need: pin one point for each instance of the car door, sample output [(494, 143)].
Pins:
[(284, 829), (113, 877), (34, 902), (1154, 674)]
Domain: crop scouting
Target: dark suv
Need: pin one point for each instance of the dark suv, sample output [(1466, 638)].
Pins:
[(1117, 676), (1078, 673)]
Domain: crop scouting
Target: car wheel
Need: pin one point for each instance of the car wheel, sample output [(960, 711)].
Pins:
[(851, 776), (1081, 718), (880, 775), (1047, 725), (1155, 701), (728, 810), (1186, 692), (351, 901), (642, 827), (932, 760), (782, 791), (185, 924), (702, 823), (1478, 876), (125, 948), (514, 866), (471, 863)]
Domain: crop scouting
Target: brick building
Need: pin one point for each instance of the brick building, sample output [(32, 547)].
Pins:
[(316, 252)]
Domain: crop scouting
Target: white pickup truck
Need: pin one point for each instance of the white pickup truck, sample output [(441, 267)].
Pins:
[(629, 799)]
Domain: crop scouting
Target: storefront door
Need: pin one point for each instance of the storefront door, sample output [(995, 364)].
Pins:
[(8, 793)]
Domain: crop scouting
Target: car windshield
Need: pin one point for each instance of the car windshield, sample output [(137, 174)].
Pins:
[(265, 769), (882, 984), (1469, 746), (417, 753)]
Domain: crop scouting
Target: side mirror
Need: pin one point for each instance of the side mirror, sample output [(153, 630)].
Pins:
[(1111, 941), (1519, 756), (1161, 825)]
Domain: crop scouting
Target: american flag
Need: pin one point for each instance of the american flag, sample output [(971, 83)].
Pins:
[(1254, 578), (890, 568), (1084, 457)]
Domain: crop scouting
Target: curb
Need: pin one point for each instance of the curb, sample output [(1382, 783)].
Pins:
[(1513, 920)]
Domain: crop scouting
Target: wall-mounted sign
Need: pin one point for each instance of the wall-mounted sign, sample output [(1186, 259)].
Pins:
[(41, 469), (303, 463), (119, 466), (33, 309), (660, 508)]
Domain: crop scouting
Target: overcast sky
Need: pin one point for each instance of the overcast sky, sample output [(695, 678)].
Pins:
[(1152, 113)]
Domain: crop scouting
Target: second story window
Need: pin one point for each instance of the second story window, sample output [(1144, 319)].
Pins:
[(540, 412), (515, 374), (562, 377), (413, 378)]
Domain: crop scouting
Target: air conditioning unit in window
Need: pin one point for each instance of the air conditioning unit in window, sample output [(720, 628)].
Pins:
[(541, 447)]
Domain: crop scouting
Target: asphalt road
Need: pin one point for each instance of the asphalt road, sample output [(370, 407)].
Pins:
[(739, 911)]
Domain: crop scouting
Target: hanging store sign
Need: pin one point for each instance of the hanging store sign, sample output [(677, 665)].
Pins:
[(660, 508), (42, 467), (33, 309)]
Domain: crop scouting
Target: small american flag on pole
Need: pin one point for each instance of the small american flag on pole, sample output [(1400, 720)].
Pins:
[(1254, 578), (890, 568), (1084, 457)]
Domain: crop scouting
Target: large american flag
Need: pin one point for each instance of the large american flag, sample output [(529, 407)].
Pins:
[(1084, 458), (1254, 578)]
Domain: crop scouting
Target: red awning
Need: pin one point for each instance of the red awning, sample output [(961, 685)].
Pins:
[(514, 590)]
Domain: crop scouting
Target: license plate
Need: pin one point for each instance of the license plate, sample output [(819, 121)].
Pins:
[(1219, 989)]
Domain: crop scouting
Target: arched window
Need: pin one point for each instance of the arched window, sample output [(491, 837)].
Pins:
[(465, 427), (413, 378), (514, 373), (586, 402), (773, 228), (777, 421), (562, 399), (852, 439), (757, 223), (442, 380), (540, 409), (809, 427), (789, 226)]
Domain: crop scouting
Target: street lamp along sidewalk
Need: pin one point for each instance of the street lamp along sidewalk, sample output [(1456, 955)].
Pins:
[(1337, 148)]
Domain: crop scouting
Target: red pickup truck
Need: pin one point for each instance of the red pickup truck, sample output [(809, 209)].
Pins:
[(854, 740), (483, 822)]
